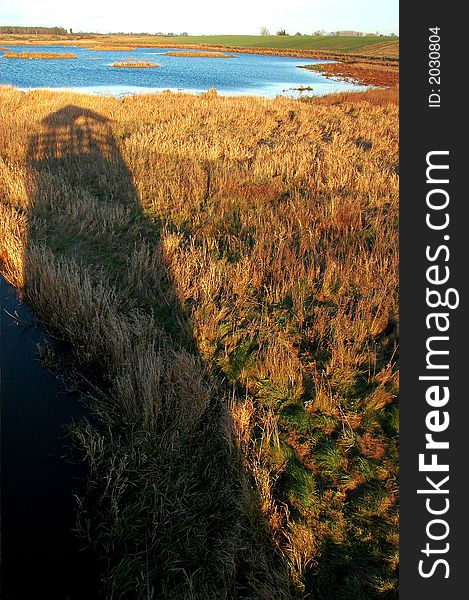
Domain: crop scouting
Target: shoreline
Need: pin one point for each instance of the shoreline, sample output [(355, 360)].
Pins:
[(296, 93)]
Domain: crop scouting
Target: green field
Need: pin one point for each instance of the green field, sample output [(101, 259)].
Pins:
[(300, 42)]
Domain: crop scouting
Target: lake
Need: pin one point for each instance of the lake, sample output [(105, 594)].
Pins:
[(91, 72)]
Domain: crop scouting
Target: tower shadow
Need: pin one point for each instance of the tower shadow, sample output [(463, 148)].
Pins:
[(175, 470)]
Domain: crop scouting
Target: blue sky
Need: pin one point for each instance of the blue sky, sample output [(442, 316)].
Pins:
[(205, 16)]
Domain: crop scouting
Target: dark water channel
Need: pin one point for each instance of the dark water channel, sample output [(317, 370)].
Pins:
[(40, 555)]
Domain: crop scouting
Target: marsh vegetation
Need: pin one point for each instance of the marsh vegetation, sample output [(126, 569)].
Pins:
[(225, 273)]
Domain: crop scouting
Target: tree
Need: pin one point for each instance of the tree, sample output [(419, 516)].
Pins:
[(264, 31)]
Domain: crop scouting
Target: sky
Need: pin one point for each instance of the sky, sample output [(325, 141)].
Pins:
[(199, 17)]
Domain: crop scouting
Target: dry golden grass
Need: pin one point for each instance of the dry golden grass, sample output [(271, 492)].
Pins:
[(226, 271), (378, 97), (201, 54), (39, 55)]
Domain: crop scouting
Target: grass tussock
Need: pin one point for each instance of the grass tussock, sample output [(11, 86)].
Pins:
[(39, 55), (225, 270)]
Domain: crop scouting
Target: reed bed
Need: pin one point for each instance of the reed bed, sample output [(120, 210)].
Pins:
[(225, 272), (376, 96), (39, 55)]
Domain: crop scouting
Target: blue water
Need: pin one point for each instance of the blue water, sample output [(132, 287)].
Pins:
[(91, 72)]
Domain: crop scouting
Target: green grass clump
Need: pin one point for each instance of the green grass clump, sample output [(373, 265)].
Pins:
[(298, 484)]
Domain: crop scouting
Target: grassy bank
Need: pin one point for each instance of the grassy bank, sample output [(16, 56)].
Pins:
[(225, 270)]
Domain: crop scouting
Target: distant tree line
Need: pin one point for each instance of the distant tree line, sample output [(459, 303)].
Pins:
[(265, 31), (33, 30), (353, 33)]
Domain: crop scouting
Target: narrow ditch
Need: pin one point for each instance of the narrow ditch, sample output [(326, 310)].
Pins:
[(40, 555)]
